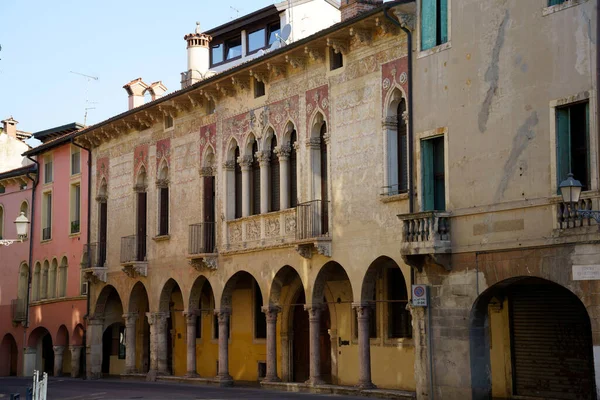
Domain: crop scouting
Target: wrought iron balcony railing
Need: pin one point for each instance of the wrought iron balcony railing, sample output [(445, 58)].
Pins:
[(19, 310), (133, 249), (94, 255), (202, 238), (312, 220)]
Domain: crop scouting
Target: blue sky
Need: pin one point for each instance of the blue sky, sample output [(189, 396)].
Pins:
[(116, 41)]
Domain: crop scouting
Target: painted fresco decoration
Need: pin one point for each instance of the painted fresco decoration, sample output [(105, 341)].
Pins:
[(316, 99), (101, 171), (140, 159), (283, 111), (208, 136), (163, 152), (394, 74)]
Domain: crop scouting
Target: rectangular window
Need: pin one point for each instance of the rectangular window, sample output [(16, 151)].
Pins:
[(434, 23), (75, 161), (216, 54), (163, 228), (336, 60), (121, 342), (75, 208), (256, 40), (47, 216), (434, 186), (168, 121), (48, 178), (273, 30), (259, 89), (573, 143), (233, 48), (555, 2)]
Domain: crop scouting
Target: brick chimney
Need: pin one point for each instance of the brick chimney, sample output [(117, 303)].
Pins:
[(9, 126), (135, 89), (353, 8), (157, 90)]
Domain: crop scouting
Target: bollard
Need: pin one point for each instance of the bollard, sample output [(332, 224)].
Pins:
[(15, 396)]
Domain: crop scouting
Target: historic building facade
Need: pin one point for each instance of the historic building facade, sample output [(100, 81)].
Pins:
[(267, 222)]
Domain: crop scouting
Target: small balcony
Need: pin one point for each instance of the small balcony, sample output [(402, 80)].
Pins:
[(258, 232), (312, 228), (94, 262), (133, 256), (202, 250), (426, 237), (19, 310)]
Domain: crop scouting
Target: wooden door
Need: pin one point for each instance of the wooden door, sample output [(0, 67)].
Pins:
[(141, 227)]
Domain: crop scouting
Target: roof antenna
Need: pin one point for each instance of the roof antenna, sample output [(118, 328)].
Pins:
[(237, 12), (88, 79)]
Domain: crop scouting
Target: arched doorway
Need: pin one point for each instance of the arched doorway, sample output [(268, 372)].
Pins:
[(202, 304), (62, 353), (109, 309), (171, 302), (138, 307), (40, 352), (535, 337), (8, 356), (333, 292)]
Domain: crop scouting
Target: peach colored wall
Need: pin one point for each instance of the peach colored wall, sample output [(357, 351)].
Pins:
[(11, 258)]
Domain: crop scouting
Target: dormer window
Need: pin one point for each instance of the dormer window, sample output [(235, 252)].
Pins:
[(263, 37), (216, 53), (233, 48)]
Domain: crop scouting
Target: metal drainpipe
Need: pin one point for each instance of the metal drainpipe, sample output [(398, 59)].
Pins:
[(597, 67), (411, 206), (89, 212), (31, 230)]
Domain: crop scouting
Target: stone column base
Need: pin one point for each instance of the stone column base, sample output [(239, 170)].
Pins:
[(224, 381), (193, 374), (315, 381), (366, 385), (271, 379)]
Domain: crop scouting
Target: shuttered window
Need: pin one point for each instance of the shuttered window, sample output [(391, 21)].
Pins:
[(163, 228), (293, 180), (402, 150), (572, 143), (434, 183), (434, 23), (274, 176), (238, 184), (255, 191), (324, 185)]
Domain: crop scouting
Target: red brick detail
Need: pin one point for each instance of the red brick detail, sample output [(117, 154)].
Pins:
[(163, 152), (208, 137), (140, 158), (393, 74), (282, 112), (352, 8), (316, 99)]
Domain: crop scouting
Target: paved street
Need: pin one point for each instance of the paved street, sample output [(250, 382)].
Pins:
[(77, 389)]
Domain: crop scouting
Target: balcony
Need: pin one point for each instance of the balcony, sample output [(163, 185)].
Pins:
[(202, 250), (133, 256), (258, 232), (313, 233), (426, 237), (19, 310), (94, 262)]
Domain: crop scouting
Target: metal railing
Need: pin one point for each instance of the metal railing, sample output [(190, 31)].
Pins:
[(133, 248), (46, 233), (312, 220), (94, 255), (202, 238), (19, 310)]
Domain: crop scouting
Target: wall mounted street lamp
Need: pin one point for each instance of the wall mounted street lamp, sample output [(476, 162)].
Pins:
[(22, 225), (570, 190)]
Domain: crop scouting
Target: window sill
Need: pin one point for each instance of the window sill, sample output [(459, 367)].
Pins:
[(75, 176), (384, 198), (170, 129), (74, 234), (434, 50), (559, 7), (161, 238), (46, 241)]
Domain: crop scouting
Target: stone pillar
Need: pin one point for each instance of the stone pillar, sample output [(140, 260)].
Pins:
[(229, 183), (130, 335), (75, 360), (58, 360), (420, 340), (314, 147), (271, 313), (158, 344), (283, 152), (363, 311), (264, 158), (190, 320), (223, 374), (314, 318), (245, 163), (94, 348), (29, 358)]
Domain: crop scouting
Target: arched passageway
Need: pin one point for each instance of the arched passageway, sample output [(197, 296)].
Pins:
[(330, 316), (137, 331), (535, 337), (107, 335), (202, 324), (39, 354), (242, 321), (9, 355), (171, 332), (62, 355)]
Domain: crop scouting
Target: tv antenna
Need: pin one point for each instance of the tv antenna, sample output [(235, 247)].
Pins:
[(88, 78), (236, 11)]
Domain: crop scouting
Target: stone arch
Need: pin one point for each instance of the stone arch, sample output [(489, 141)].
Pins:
[(368, 284), (208, 157), (103, 298), (9, 355), (230, 287), (392, 99), (40, 352), (200, 284), (284, 277), (287, 132), (62, 336), (268, 135), (248, 143), (36, 335), (231, 146), (317, 121), (163, 170), (77, 336), (480, 338), (165, 294), (141, 178), (138, 295), (331, 271), (103, 188)]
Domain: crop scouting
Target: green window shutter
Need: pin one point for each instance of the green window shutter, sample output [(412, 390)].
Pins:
[(563, 144), (428, 24), (427, 169), (439, 175), (555, 2), (443, 21)]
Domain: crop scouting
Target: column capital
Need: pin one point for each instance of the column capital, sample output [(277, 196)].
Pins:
[(59, 350), (313, 143), (363, 309), (75, 347), (229, 165), (283, 152), (223, 314), (95, 321), (157, 318), (271, 312), (190, 317), (263, 157), (314, 311), (245, 162), (130, 318)]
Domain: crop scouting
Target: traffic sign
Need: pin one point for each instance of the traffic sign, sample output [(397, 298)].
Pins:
[(420, 295)]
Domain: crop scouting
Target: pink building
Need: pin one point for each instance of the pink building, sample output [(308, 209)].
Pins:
[(49, 337)]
